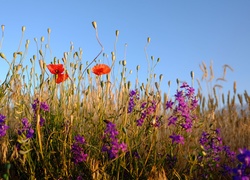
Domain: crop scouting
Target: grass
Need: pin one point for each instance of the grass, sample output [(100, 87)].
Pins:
[(98, 127)]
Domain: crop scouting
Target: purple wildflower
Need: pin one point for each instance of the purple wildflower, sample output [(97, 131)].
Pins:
[(169, 104), (111, 144), (3, 126), (77, 150), (26, 129), (133, 97), (148, 110), (186, 102), (44, 106), (242, 171), (177, 139)]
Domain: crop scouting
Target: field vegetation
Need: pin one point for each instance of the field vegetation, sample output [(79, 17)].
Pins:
[(69, 119)]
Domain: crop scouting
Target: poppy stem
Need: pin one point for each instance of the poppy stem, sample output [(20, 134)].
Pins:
[(98, 53)]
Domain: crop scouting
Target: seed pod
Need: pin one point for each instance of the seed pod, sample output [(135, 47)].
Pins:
[(2, 56), (23, 28), (117, 33), (192, 74), (2, 26), (149, 39), (161, 76), (157, 85), (169, 83), (137, 67), (94, 24), (129, 84), (42, 38), (49, 30), (41, 52), (124, 62)]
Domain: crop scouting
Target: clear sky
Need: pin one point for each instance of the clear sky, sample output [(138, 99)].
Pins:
[(183, 34)]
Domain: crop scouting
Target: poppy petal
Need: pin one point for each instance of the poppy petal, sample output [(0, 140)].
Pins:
[(101, 69), (55, 68), (61, 77)]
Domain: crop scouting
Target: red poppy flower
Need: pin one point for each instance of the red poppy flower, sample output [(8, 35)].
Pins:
[(101, 69), (61, 77), (58, 70), (55, 68)]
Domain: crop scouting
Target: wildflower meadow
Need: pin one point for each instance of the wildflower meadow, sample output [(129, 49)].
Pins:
[(68, 118)]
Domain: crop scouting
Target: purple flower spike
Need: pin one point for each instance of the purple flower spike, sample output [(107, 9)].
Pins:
[(111, 144), (77, 150), (177, 139)]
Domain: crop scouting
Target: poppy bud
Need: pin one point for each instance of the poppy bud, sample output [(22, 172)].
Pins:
[(2, 26), (2, 56), (81, 67), (129, 84), (152, 58), (157, 85), (35, 39), (41, 52), (14, 55), (94, 24), (169, 83), (124, 62), (42, 38), (178, 81), (158, 60), (49, 30), (27, 41), (160, 77), (149, 39), (137, 67), (46, 46), (192, 74), (23, 28), (117, 33)]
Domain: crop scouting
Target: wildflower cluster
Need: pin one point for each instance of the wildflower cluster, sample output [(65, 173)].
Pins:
[(243, 169), (3, 126), (26, 130), (213, 150), (182, 114), (78, 151), (148, 110), (133, 97), (43, 106), (111, 144)]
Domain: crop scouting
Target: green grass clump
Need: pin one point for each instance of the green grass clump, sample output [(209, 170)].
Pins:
[(106, 127)]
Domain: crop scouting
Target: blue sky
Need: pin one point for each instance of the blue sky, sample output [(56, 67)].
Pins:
[(183, 34)]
